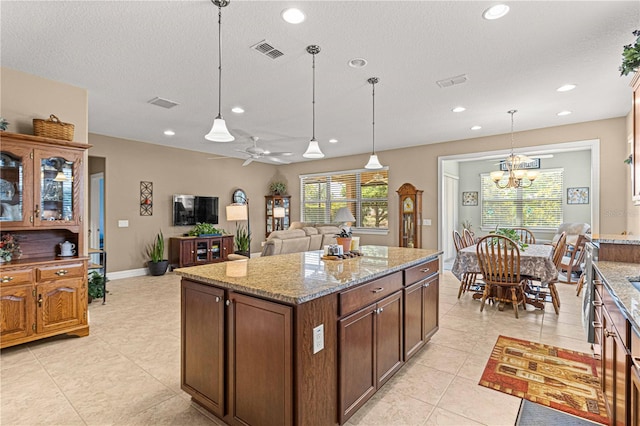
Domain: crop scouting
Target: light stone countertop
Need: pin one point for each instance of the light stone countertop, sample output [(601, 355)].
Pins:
[(300, 277), (614, 239), (627, 296)]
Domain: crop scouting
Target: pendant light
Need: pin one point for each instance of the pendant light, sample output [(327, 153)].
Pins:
[(313, 150), (373, 163), (219, 132)]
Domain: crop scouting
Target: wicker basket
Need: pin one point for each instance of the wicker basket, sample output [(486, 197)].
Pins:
[(53, 128)]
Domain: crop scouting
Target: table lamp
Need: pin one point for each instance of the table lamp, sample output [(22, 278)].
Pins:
[(345, 216)]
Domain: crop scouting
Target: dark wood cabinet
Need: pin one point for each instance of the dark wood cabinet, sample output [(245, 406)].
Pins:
[(277, 213), (421, 306), (635, 396), (410, 230), (190, 251)]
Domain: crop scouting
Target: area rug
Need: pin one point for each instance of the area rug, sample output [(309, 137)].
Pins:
[(532, 414), (559, 378)]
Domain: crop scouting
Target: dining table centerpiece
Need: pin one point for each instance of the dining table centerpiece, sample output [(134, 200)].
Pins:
[(512, 235)]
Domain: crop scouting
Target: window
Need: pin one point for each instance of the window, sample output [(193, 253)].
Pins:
[(364, 192), (538, 206)]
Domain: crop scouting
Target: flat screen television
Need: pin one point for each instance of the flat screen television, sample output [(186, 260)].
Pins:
[(192, 209)]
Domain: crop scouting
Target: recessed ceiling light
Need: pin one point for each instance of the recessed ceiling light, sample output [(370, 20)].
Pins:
[(495, 12), (476, 127), (358, 63), (237, 110), (333, 140), (566, 87), (293, 15), (565, 112), (458, 109), (169, 132)]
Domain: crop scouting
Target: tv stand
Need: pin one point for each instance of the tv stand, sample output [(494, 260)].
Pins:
[(191, 251)]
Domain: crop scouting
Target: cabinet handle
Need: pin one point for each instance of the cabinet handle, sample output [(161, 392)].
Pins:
[(596, 324), (62, 272), (378, 311), (7, 279), (217, 299), (608, 333), (40, 301), (227, 302), (425, 270), (37, 210), (597, 303), (425, 285), (192, 251), (377, 290)]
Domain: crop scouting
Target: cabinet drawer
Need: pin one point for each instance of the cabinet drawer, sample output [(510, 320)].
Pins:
[(617, 318), (16, 276), (421, 271), (61, 271), (358, 297)]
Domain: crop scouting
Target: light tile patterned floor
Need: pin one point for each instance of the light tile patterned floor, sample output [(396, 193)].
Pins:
[(126, 372)]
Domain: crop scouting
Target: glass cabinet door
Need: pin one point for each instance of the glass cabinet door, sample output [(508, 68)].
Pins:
[(15, 185), (56, 194)]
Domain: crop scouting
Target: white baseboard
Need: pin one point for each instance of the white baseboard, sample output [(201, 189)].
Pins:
[(127, 274)]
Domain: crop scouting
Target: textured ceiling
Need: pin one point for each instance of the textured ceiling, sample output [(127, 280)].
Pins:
[(126, 53)]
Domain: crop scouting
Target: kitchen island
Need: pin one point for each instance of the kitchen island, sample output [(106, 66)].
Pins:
[(295, 339)]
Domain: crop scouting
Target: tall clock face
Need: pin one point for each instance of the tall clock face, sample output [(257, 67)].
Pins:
[(407, 205)]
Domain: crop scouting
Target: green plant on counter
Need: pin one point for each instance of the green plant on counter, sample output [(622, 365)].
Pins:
[(206, 229), (156, 249), (512, 235), (96, 285), (242, 239), (344, 234)]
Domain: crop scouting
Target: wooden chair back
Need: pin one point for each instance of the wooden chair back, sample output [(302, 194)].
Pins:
[(526, 236), (499, 260), (559, 250), (467, 237), (458, 242)]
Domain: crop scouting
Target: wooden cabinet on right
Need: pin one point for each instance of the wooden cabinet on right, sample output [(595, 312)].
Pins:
[(635, 83)]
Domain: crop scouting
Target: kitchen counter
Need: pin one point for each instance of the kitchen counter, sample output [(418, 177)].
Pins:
[(626, 295), (300, 277), (614, 239)]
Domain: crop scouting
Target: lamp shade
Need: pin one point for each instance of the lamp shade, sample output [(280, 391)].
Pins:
[(219, 132), (60, 177), (313, 150), (373, 163), (278, 212), (237, 268), (236, 212), (344, 215)]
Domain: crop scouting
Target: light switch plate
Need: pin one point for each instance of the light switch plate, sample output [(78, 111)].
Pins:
[(426, 222), (123, 224), (318, 338)]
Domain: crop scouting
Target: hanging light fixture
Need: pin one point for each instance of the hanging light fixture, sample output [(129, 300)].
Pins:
[(219, 132), (313, 150), (516, 175), (373, 163)]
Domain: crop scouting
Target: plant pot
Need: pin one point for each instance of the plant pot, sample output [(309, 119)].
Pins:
[(158, 268), (345, 243), (242, 253)]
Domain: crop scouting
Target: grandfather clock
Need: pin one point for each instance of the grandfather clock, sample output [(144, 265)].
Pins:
[(410, 216)]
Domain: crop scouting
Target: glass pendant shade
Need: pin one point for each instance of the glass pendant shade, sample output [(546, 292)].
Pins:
[(373, 163), (219, 132), (313, 150)]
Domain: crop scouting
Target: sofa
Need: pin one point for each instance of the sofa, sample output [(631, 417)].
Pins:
[(299, 237)]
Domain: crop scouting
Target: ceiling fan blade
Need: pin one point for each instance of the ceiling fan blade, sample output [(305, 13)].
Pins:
[(218, 158), (276, 154), (279, 160), (247, 161)]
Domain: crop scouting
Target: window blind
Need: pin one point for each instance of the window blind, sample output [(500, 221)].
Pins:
[(537, 206)]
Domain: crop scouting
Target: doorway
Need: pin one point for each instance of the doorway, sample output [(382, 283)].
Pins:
[(96, 203)]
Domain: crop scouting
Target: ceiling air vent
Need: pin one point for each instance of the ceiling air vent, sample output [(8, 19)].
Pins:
[(452, 81), (267, 49), (164, 103)]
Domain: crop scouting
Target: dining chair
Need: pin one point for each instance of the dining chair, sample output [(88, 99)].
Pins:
[(469, 279), (526, 236), (573, 258), (458, 242), (548, 292), (499, 261), (468, 237)]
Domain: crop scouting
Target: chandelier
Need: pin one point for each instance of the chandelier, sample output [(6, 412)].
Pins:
[(517, 177)]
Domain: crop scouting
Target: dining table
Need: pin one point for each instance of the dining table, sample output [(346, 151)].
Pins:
[(536, 263)]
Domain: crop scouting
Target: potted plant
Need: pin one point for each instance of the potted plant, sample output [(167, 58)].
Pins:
[(157, 264), (96, 285), (243, 241), (631, 56), (344, 239), (512, 235), (205, 230), (278, 188)]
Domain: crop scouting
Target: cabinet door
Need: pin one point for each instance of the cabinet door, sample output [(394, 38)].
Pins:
[(608, 363), (187, 252), (61, 304), (430, 292), (215, 249), (16, 185), (201, 251), (202, 350), (635, 396), (413, 319), (260, 362), (621, 374), (357, 360), (389, 333), (17, 315), (227, 248), (58, 189)]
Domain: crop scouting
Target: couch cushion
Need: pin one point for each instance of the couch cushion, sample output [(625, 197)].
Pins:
[(295, 245), (287, 234)]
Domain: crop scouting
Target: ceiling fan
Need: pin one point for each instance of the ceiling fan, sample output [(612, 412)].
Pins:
[(256, 153)]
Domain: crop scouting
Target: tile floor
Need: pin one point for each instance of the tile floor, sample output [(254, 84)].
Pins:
[(126, 372)]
